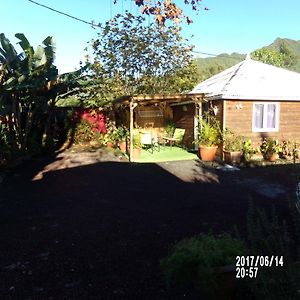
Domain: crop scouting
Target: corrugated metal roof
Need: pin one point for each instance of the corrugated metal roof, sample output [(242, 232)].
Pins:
[(252, 80)]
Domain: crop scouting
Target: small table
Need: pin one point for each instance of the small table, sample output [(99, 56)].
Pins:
[(171, 140)]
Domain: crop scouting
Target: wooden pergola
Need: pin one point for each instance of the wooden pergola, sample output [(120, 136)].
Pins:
[(134, 101)]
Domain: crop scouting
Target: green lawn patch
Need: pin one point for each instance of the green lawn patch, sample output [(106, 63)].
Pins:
[(166, 153)]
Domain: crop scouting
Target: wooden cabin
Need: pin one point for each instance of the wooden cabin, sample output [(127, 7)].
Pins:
[(255, 100)]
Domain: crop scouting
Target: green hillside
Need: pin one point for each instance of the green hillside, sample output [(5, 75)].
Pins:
[(293, 45), (212, 65)]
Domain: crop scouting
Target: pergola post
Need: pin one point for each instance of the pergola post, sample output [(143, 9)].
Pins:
[(198, 111), (132, 106)]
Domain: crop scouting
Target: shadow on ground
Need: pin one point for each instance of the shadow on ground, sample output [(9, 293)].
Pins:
[(99, 231)]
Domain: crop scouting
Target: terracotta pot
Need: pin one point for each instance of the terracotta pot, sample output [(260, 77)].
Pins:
[(207, 153), (109, 145), (122, 146), (232, 157), (273, 157)]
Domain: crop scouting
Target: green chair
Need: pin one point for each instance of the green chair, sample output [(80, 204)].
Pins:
[(177, 137)]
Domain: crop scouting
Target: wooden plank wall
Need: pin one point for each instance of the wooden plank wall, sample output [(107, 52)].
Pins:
[(148, 122), (240, 120), (185, 119), (155, 125)]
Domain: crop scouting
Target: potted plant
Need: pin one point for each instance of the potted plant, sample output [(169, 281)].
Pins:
[(210, 135), (233, 146), (137, 146), (270, 148), (109, 140), (289, 150), (249, 151), (110, 137), (121, 135), (170, 128)]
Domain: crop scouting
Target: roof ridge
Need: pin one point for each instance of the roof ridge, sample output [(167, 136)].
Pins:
[(233, 75)]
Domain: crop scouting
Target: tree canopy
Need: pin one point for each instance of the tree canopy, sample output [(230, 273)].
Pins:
[(168, 10), (134, 58), (283, 58)]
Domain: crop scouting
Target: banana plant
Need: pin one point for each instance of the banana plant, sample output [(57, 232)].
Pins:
[(30, 87), (23, 78)]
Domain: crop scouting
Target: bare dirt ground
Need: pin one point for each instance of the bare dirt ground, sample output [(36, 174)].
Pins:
[(90, 225)]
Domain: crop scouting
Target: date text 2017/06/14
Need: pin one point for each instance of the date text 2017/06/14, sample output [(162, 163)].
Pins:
[(247, 266)]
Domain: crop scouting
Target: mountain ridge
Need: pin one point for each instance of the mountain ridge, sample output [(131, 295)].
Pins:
[(210, 66)]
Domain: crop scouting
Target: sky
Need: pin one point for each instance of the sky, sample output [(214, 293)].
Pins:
[(228, 26)]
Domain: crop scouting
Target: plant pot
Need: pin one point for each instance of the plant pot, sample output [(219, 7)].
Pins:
[(207, 153), (136, 154), (109, 145), (232, 157), (122, 146), (272, 156)]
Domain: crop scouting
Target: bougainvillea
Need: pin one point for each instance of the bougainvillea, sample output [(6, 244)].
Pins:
[(95, 117)]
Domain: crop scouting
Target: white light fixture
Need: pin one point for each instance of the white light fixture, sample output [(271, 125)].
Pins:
[(215, 109)]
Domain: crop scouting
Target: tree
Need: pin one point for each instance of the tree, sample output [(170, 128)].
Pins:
[(289, 59), (167, 10), (283, 58), (268, 56), (135, 58)]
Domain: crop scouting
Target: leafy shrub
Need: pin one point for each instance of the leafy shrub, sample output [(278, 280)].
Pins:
[(269, 146), (95, 117), (193, 262), (84, 132), (289, 149), (232, 141), (248, 150), (137, 139), (170, 127), (121, 133), (7, 142), (210, 133)]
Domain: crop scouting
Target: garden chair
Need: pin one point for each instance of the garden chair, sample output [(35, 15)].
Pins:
[(177, 137), (149, 141)]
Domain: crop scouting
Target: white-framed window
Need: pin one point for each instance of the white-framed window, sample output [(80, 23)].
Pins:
[(265, 117)]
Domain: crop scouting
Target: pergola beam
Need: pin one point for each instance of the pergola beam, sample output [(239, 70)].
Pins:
[(157, 98)]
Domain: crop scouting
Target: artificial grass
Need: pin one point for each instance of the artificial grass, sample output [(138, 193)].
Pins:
[(166, 153)]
